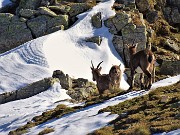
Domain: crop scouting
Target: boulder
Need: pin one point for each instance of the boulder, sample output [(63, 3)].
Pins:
[(43, 24), (119, 46), (65, 80), (175, 15), (27, 13), (96, 20), (13, 32), (64, 9), (46, 11), (152, 16), (58, 21), (82, 89), (96, 39), (38, 25), (77, 8), (29, 4), (143, 5), (170, 68), (116, 23), (54, 29)]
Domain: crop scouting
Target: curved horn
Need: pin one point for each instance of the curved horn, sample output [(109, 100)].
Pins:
[(99, 64), (92, 64)]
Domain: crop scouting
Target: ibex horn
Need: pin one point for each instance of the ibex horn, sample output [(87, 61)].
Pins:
[(92, 64), (99, 64)]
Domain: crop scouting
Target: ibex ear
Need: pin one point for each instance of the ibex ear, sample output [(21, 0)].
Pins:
[(136, 45)]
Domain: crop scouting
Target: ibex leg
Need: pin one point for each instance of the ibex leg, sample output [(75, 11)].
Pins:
[(132, 79), (149, 80), (142, 80)]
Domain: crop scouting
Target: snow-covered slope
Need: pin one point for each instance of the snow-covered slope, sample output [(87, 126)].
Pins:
[(64, 50), (4, 3), (18, 113), (67, 51)]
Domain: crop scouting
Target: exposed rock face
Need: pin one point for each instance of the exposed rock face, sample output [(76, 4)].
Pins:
[(77, 8), (152, 16), (27, 91), (170, 68), (127, 28), (78, 89), (96, 20), (36, 18), (13, 32), (65, 80), (27, 13), (43, 25), (46, 11), (29, 4)]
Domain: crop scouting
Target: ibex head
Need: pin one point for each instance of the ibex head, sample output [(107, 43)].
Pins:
[(132, 48), (96, 71)]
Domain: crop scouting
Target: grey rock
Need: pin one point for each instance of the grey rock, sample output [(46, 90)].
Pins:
[(77, 8), (62, 8), (96, 20), (65, 80), (96, 39), (13, 32), (175, 15), (54, 29), (170, 68), (27, 13), (119, 45), (152, 16), (38, 25), (29, 4), (57, 21), (46, 11)]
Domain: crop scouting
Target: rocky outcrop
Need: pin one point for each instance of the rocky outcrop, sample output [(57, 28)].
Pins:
[(43, 25), (77, 8), (28, 91), (35, 18), (96, 20), (170, 68), (13, 32), (127, 28), (65, 80), (78, 89)]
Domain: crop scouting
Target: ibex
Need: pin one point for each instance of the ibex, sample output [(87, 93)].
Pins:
[(102, 81), (141, 62), (115, 75)]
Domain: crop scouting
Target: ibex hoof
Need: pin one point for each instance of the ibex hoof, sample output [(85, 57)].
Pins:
[(149, 87)]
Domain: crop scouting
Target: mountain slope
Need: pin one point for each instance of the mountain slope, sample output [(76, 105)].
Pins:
[(64, 50)]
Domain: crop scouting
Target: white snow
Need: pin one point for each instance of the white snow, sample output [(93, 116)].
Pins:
[(4, 3), (67, 51)]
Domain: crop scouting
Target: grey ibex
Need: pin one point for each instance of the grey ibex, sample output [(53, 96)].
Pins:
[(102, 81), (141, 62), (115, 75)]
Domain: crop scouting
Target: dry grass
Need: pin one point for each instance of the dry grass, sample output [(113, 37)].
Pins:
[(46, 131), (153, 113)]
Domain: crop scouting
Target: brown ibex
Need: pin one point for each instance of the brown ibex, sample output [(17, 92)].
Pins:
[(115, 75), (141, 62), (102, 81)]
